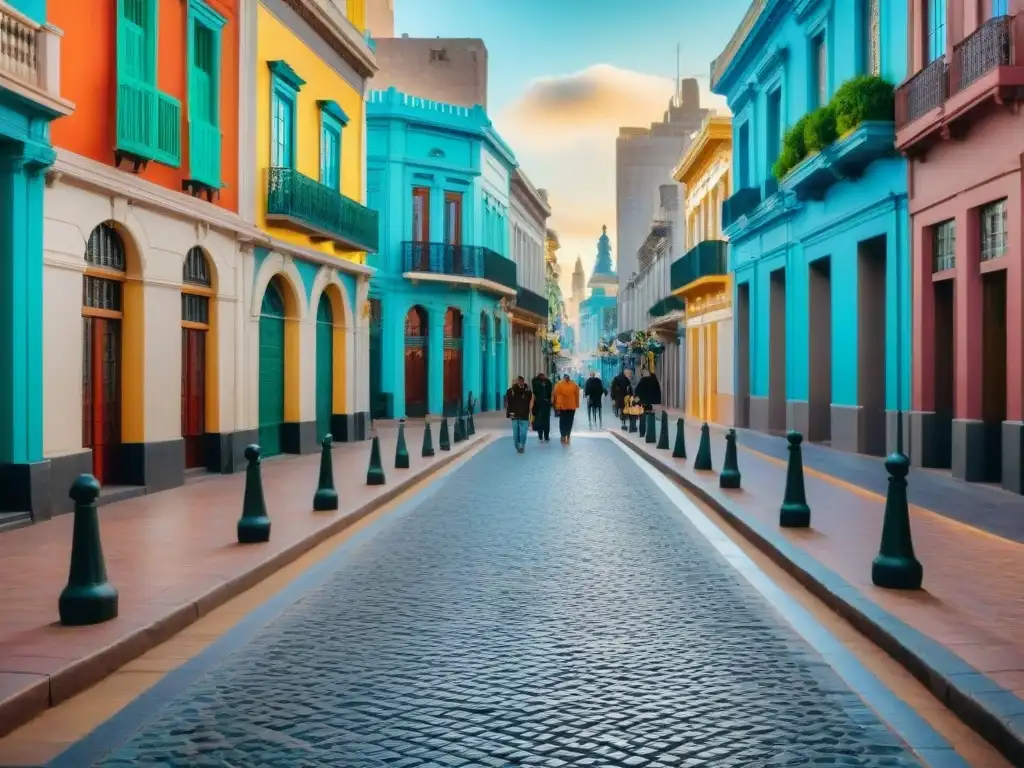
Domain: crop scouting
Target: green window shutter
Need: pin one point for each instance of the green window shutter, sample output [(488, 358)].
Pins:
[(204, 47), (324, 366), (283, 128), (271, 371), (136, 77), (330, 153), (168, 130)]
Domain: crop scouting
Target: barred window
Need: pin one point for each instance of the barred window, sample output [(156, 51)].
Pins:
[(993, 230), (100, 293), (195, 309), (944, 245)]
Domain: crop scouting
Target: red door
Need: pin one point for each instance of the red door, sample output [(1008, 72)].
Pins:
[(101, 392), (416, 362), (452, 361), (193, 395)]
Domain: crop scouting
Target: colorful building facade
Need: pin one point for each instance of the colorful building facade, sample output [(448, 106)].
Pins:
[(181, 217), (440, 176), (599, 311), (958, 123), (528, 315), (700, 277), (818, 240), (31, 98)]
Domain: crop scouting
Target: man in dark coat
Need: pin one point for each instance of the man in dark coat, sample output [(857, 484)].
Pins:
[(648, 390), (621, 388), (542, 389), (518, 401), (594, 391)]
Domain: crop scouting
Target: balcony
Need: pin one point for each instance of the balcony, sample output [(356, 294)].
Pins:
[(463, 263), (942, 100), (30, 60), (666, 306), (531, 302), (742, 202), (845, 158), (708, 258), (300, 203)]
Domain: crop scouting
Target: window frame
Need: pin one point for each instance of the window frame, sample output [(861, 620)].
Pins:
[(201, 13), (935, 29), (989, 246), (998, 8), (333, 120), (285, 86), (943, 232)]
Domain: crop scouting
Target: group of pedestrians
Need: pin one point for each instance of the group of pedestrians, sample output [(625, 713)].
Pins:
[(647, 390), (532, 404)]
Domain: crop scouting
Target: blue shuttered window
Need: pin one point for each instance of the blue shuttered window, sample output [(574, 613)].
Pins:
[(204, 75)]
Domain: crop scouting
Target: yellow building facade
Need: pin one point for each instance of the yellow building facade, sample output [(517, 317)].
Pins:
[(704, 286)]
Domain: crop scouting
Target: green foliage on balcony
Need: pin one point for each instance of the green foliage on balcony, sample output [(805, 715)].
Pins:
[(500, 270), (860, 99), (706, 259), (667, 305), (322, 210)]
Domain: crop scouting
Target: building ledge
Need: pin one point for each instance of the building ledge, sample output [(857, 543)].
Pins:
[(460, 280), (845, 158)]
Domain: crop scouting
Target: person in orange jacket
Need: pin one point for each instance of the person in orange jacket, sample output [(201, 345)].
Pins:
[(565, 400)]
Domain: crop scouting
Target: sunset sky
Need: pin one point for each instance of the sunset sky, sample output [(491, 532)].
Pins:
[(565, 74)]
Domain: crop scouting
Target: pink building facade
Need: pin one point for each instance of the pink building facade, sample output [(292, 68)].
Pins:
[(959, 124)]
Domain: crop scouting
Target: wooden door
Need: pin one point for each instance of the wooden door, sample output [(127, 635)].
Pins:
[(193, 395), (420, 251), (416, 362), (271, 408), (377, 410), (324, 367), (485, 385), (452, 361), (101, 393)]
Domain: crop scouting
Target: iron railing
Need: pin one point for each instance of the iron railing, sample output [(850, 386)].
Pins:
[(296, 197), (988, 47), (707, 258), (742, 202), (532, 302), (459, 261), (922, 93), (666, 305), (500, 270)]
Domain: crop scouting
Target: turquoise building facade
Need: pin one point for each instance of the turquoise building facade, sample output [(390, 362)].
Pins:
[(599, 312), (29, 100), (818, 222), (440, 177)]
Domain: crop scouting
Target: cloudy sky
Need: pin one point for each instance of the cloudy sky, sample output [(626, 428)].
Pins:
[(565, 74)]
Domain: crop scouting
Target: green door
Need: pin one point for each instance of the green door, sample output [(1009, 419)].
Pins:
[(324, 367), (271, 371)]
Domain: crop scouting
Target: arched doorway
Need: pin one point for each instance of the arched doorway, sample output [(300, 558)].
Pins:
[(102, 315), (452, 361), (324, 365), (485, 387), (377, 406), (196, 289), (272, 314), (416, 362)]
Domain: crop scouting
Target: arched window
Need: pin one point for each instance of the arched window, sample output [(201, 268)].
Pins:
[(416, 322)]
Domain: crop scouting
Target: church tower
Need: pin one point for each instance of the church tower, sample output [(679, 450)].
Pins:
[(579, 283), (603, 280)]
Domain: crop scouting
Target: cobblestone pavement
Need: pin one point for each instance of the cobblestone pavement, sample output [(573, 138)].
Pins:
[(550, 609)]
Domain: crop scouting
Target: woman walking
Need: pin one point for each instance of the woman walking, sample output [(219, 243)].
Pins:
[(566, 400)]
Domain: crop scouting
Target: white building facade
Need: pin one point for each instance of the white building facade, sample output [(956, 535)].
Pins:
[(529, 215)]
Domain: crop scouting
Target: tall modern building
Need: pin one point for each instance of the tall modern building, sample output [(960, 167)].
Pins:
[(644, 160)]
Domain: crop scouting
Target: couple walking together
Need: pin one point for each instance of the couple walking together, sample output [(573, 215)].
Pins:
[(525, 405)]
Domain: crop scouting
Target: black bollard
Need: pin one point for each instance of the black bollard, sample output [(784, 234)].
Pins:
[(443, 441), (428, 443), (679, 451), (703, 460), (794, 512), (663, 437), (88, 597), (401, 451), (375, 472), (457, 435), (651, 435), (254, 524), (642, 418), (730, 474), (896, 567), (470, 424), (326, 498), (632, 423)]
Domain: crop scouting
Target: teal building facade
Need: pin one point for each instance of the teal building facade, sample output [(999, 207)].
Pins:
[(818, 221), (599, 312), (29, 100), (440, 177)]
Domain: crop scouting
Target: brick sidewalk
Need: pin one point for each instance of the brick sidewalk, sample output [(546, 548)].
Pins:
[(173, 557), (968, 646)]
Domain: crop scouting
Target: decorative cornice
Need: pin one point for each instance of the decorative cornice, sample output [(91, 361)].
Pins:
[(714, 130), (339, 33), (331, 108), (775, 59), (528, 193), (283, 71)]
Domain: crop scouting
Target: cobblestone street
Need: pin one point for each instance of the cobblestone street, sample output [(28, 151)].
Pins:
[(549, 609)]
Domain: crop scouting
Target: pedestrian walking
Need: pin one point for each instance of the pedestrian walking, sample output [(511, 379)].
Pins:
[(518, 402), (594, 390), (621, 388), (542, 391), (648, 390), (566, 401)]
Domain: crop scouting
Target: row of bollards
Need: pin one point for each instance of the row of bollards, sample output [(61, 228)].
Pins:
[(895, 566), (90, 598)]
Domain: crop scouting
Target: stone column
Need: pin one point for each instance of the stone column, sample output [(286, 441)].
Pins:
[(968, 450), (435, 360)]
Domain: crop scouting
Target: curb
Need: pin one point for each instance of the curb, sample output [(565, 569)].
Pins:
[(993, 712), (81, 674)]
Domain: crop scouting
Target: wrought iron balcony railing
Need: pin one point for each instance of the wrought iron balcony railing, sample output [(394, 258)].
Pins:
[(922, 93), (706, 259), (301, 202), (667, 305), (459, 261), (532, 302), (742, 202), (988, 47)]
